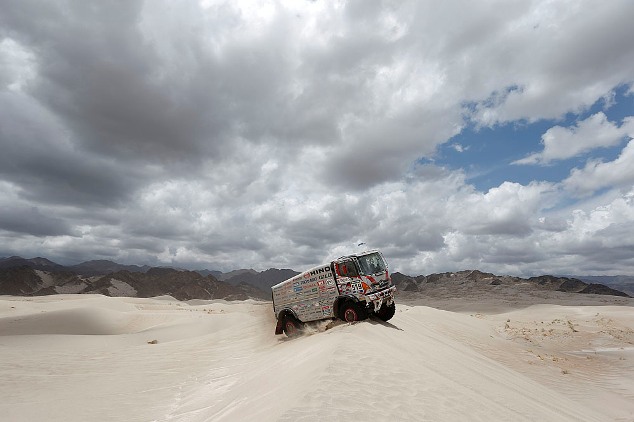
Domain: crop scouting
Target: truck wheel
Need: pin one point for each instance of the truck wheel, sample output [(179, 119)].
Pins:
[(352, 312), (386, 312), (292, 327)]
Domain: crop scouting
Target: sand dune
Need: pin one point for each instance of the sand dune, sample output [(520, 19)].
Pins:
[(89, 357)]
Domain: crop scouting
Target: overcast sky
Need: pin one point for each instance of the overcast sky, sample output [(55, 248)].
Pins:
[(452, 135)]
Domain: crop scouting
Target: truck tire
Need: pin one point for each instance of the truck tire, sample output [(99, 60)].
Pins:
[(386, 312), (292, 327), (352, 312)]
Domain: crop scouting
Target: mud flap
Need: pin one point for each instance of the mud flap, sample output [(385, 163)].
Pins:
[(279, 328)]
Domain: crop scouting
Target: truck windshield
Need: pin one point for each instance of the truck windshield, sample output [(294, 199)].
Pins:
[(371, 264)]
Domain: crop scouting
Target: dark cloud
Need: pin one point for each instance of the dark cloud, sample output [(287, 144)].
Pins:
[(40, 157), (510, 253), (124, 95), (31, 221)]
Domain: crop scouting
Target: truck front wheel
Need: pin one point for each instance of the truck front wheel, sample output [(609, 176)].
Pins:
[(352, 312), (386, 312)]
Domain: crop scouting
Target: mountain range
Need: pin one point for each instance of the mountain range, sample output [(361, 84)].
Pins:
[(40, 276), (472, 281)]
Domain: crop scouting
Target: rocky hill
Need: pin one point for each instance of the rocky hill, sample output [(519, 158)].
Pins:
[(182, 285), (474, 282), (623, 283)]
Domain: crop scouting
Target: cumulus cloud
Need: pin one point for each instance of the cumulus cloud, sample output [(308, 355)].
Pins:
[(564, 45), (594, 132), (599, 234), (459, 148), (505, 210), (228, 134), (598, 175)]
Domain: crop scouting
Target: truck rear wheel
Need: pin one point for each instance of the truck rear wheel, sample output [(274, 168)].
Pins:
[(292, 327), (386, 312), (352, 312)]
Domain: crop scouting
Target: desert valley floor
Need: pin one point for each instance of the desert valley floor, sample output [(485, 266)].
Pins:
[(97, 358)]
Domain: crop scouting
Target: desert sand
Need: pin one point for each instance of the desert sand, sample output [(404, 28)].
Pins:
[(97, 358)]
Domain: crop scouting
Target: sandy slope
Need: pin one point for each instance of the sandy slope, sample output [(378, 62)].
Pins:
[(79, 357)]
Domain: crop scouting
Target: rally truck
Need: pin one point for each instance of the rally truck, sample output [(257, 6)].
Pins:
[(350, 288)]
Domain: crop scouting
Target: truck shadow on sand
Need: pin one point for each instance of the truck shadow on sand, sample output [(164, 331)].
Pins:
[(377, 321)]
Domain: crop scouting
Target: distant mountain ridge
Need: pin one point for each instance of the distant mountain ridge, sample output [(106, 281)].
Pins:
[(225, 276), (102, 267), (35, 263), (180, 284), (623, 283), (263, 280), (464, 282), (40, 276)]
